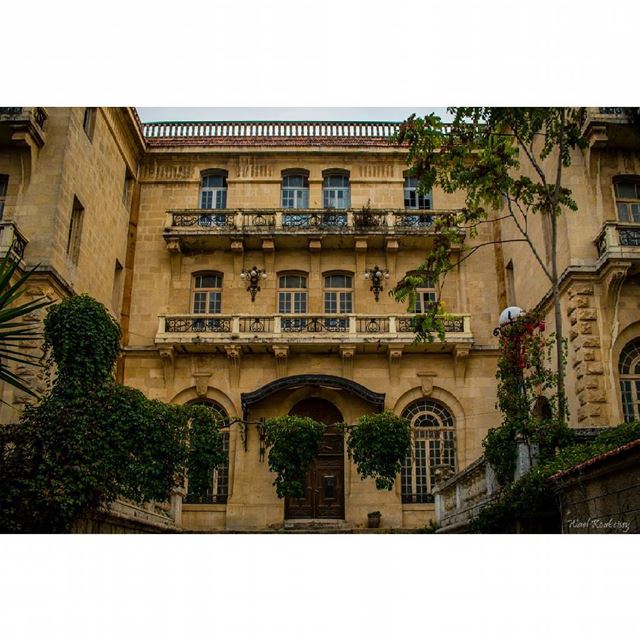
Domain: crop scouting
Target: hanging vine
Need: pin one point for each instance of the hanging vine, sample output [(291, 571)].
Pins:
[(293, 443)]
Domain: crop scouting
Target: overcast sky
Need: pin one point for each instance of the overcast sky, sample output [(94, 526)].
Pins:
[(389, 114)]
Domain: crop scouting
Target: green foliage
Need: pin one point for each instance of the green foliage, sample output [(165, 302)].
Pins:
[(84, 340), (480, 153), (523, 376), (92, 440), (294, 443), (205, 449), (530, 495), (15, 331), (379, 444)]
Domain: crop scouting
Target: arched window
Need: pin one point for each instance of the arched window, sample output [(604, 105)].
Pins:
[(218, 490), (433, 445), (629, 372), (336, 192), (292, 299), (628, 199), (338, 299), (295, 190), (213, 189), (413, 199), (426, 293)]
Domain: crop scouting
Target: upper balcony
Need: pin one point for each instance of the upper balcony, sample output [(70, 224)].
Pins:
[(22, 125), (207, 229), (611, 127), (368, 333), (618, 241)]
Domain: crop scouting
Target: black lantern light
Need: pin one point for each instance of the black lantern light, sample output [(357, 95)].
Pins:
[(253, 275), (376, 275)]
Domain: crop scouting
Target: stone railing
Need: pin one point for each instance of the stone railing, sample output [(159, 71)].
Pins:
[(460, 498), (230, 221), (619, 239), (285, 326), (11, 241)]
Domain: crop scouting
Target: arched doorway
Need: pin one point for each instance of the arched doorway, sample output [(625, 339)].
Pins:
[(324, 483)]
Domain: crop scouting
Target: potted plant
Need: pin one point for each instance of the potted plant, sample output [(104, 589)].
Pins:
[(374, 519)]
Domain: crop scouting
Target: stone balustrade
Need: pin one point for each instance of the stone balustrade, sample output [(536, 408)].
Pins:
[(190, 328)]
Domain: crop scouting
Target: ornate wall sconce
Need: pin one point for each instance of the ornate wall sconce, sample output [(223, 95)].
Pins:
[(376, 275), (253, 276)]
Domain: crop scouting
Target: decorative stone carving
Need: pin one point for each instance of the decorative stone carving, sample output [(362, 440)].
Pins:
[(426, 382), (167, 357), (282, 356), (347, 353), (460, 359), (395, 356), (234, 353)]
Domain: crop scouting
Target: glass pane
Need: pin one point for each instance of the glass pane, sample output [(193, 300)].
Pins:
[(215, 300), (199, 303), (330, 302), (345, 302), (206, 200), (623, 213), (284, 303), (626, 190), (635, 212)]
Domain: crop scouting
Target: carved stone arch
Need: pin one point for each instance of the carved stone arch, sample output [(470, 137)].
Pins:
[(437, 393), (190, 394)]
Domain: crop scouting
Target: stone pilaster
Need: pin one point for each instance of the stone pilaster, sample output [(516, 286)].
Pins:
[(586, 356)]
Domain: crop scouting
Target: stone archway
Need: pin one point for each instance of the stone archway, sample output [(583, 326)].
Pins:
[(324, 482)]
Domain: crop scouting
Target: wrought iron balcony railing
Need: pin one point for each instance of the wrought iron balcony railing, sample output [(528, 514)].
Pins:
[(11, 241), (31, 119), (619, 239), (294, 327), (236, 221)]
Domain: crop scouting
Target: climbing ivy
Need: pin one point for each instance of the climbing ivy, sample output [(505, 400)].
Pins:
[(91, 440), (379, 444), (532, 495), (293, 444)]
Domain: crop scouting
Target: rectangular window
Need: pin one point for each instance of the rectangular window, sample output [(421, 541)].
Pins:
[(75, 231), (89, 121), (4, 185)]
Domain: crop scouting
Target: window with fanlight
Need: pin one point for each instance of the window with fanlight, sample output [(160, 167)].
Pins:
[(629, 374), (426, 294), (433, 446), (218, 489), (213, 195), (206, 299)]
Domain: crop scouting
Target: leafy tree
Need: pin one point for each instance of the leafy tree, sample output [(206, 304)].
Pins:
[(92, 440), (503, 159), (15, 331)]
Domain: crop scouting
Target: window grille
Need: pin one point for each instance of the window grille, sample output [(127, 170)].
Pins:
[(629, 373), (218, 490), (433, 446)]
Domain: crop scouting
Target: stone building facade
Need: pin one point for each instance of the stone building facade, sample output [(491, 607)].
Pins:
[(250, 263)]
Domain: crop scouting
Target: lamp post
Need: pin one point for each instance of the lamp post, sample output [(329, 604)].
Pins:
[(253, 276), (376, 275)]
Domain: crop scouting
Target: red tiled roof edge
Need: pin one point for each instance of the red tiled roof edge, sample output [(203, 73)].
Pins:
[(595, 460)]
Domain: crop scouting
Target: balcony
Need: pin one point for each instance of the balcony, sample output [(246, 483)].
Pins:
[(611, 127), (205, 229), (12, 242), (618, 241), (196, 332), (22, 126)]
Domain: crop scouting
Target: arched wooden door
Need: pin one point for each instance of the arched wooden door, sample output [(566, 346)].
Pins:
[(324, 483)]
